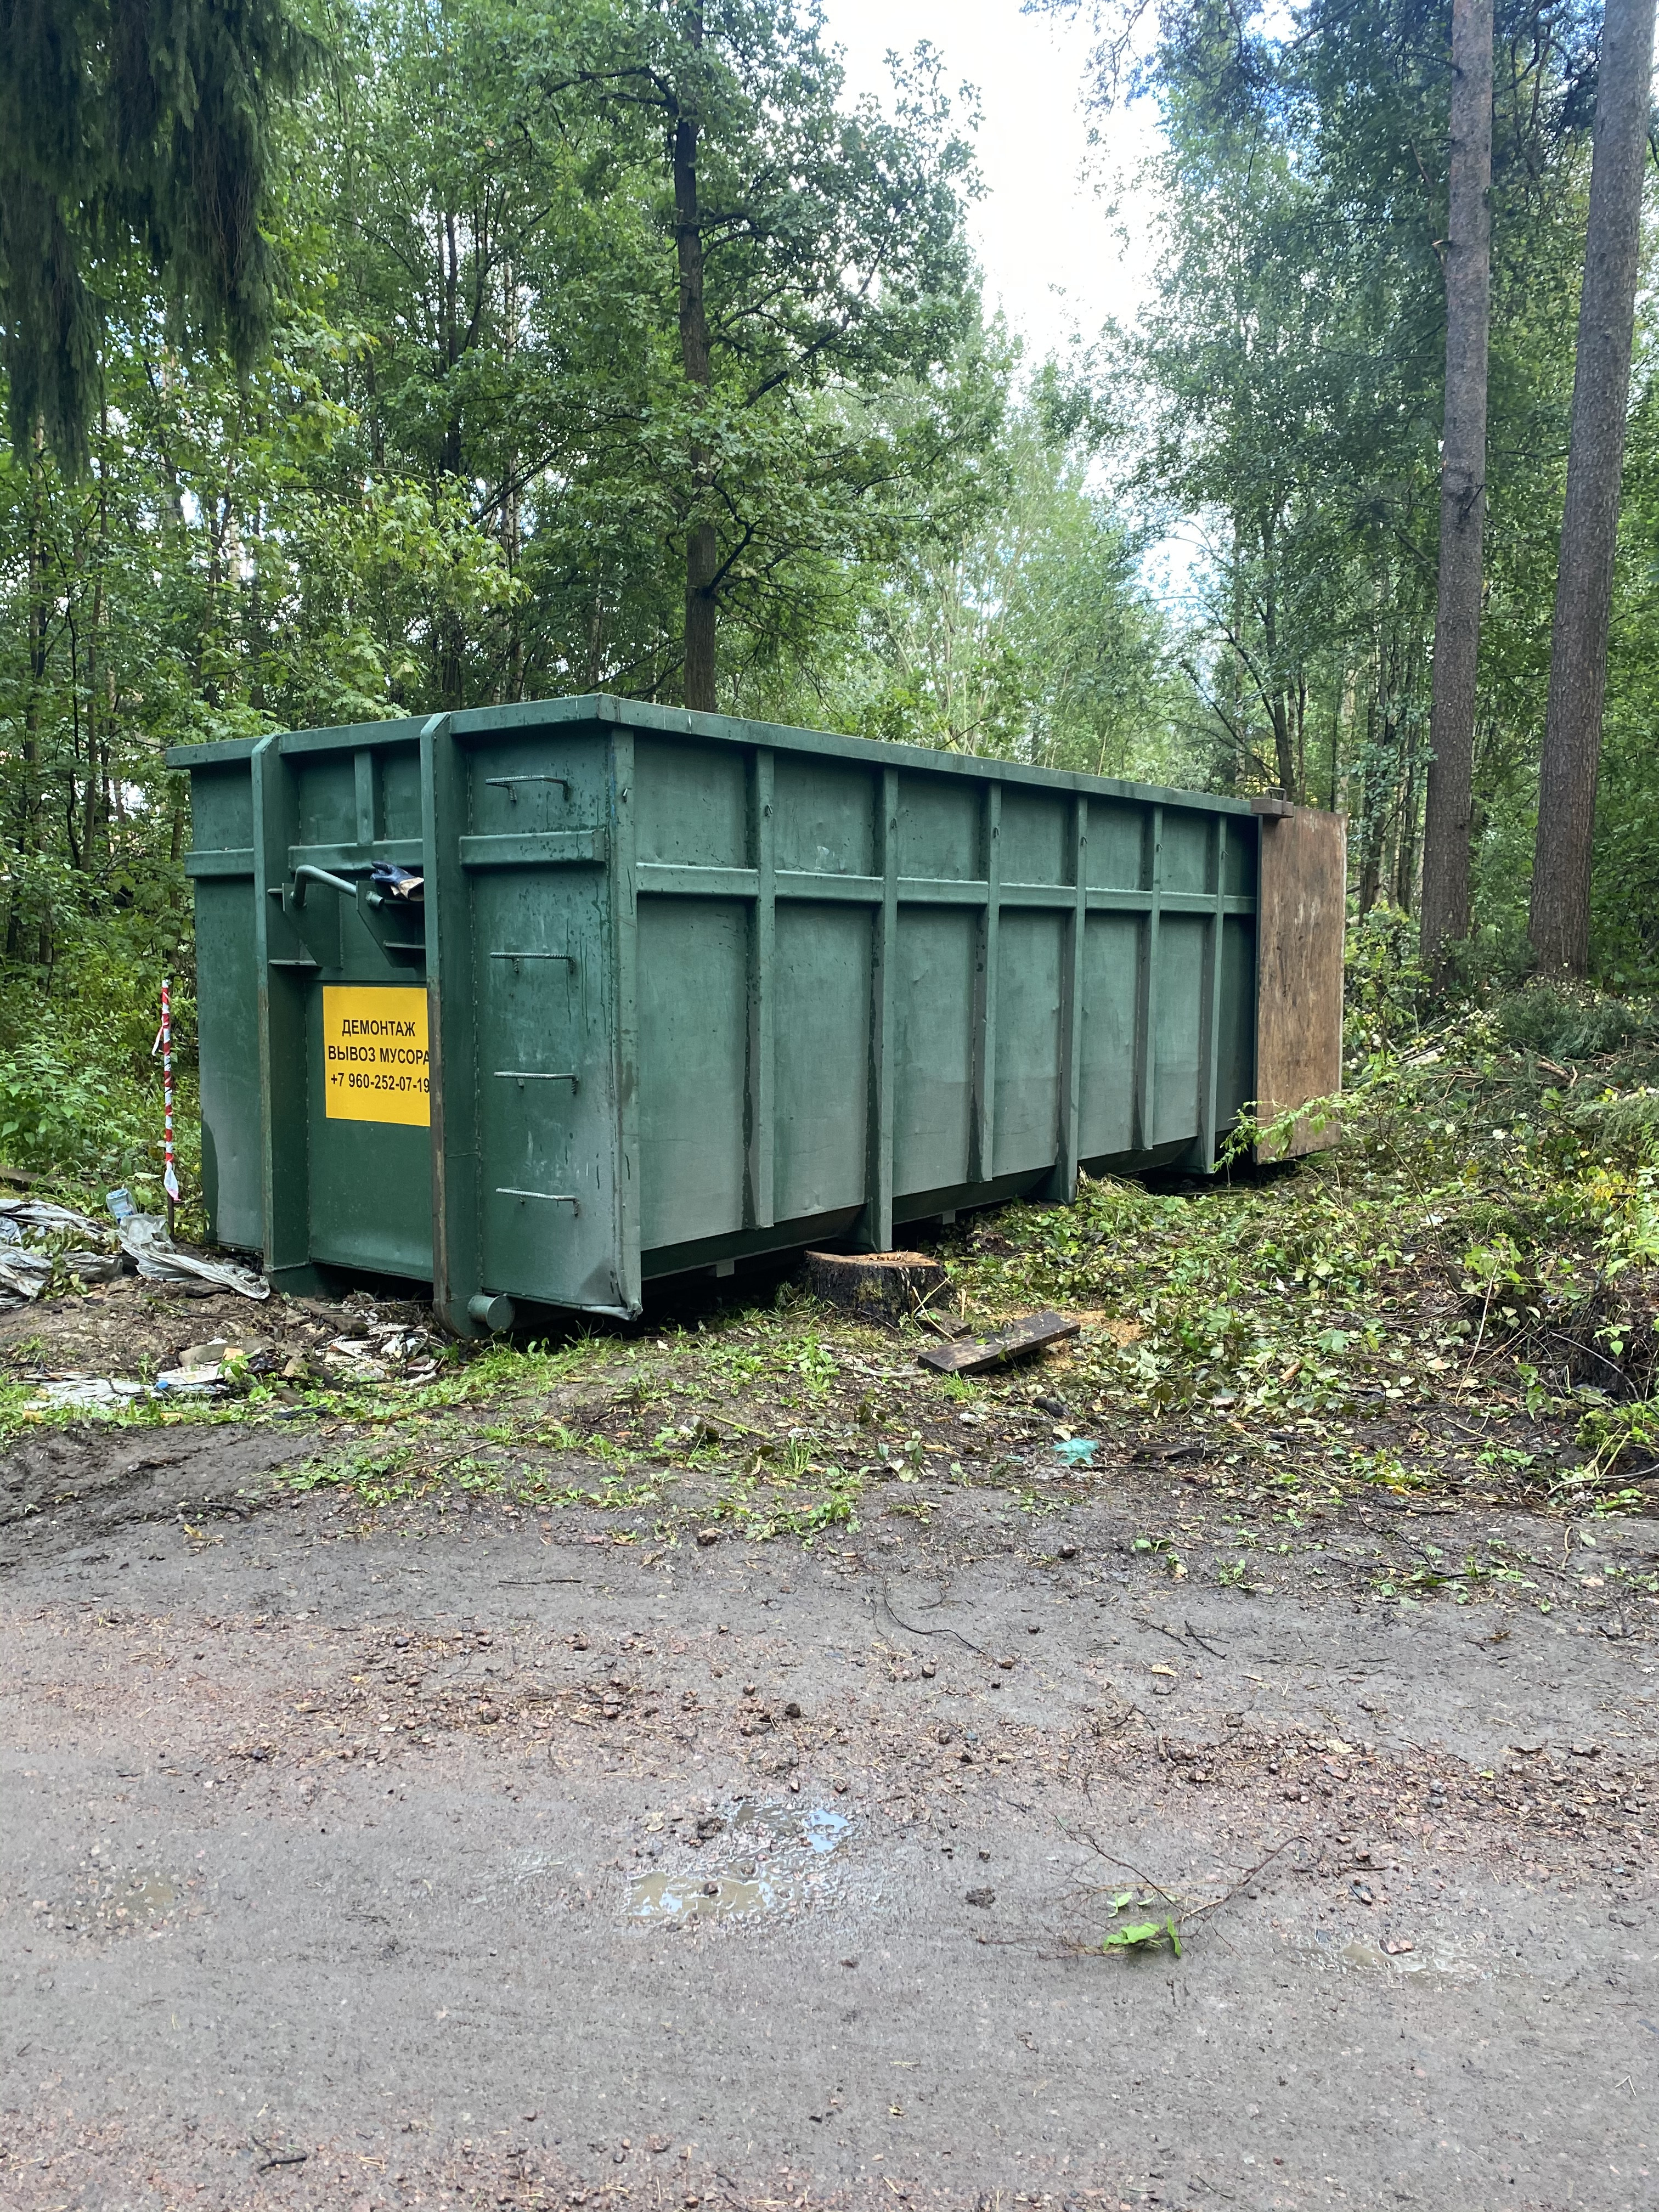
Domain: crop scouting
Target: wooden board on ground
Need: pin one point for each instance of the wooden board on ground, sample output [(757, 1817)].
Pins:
[(1302, 903), (879, 1285), (971, 1355)]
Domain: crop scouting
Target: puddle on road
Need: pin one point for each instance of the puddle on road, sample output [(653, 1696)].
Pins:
[(724, 1897), (112, 1903), (1360, 1954), (760, 1858)]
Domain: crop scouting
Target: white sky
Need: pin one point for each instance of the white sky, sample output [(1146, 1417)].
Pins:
[(1053, 254)]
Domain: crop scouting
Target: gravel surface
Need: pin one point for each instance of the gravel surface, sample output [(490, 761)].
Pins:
[(483, 1858)]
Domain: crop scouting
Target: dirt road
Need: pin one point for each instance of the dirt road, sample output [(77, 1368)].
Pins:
[(503, 1857)]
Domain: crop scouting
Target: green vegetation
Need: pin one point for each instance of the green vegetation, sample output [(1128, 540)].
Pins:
[(1457, 1301)]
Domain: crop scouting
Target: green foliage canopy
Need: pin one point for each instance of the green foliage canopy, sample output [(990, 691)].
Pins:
[(124, 123)]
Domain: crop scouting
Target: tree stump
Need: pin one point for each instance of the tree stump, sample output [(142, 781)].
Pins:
[(882, 1286)]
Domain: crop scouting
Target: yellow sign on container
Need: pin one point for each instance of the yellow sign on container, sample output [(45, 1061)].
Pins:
[(374, 1054)]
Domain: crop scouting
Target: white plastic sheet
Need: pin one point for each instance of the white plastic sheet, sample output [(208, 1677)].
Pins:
[(144, 1238)]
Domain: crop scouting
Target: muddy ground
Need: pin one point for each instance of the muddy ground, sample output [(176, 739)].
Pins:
[(532, 1820)]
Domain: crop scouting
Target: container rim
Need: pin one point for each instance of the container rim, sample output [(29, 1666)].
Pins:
[(606, 708)]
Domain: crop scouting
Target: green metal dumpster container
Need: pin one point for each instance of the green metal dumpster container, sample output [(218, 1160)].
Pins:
[(540, 1002)]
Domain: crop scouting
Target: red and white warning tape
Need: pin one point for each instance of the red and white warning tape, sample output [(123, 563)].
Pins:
[(170, 1173)]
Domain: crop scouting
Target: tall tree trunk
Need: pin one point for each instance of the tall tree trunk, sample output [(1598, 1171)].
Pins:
[(1373, 820), (39, 608), (1445, 910), (1405, 857), (451, 669), (98, 671), (701, 553), (1560, 921)]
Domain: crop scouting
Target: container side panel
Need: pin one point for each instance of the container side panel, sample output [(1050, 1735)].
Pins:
[(370, 1180), (1030, 947), (693, 1020), (1033, 837), (1241, 869), (227, 998), (938, 833), (526, 783), (825, 817), (371, 1200), (822, 1043), (222, 809), (546, 1141), (400, 793), (326, 791), (1235, 1031), (1177, 1111), (933, 1048), (691, 804), (1116, 842), (1189, 851), (1106, 1103)]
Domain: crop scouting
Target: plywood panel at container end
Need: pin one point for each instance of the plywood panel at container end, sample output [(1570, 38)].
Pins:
[(1302, 897)]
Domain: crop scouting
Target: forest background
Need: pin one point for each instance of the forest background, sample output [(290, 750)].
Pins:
[(613, 346)]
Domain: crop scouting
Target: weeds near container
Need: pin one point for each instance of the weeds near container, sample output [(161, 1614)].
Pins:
[(1612, 1434), (835, 1505), (913, 1509), (1174, 1918), (375, 1478), (1140, 1934)]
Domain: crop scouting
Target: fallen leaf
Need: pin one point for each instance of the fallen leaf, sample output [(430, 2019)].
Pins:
[(1138, 1933)]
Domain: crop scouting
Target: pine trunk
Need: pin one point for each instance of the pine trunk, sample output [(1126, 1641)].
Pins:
[(1559, 922), (1445, 905), (701, 552)]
